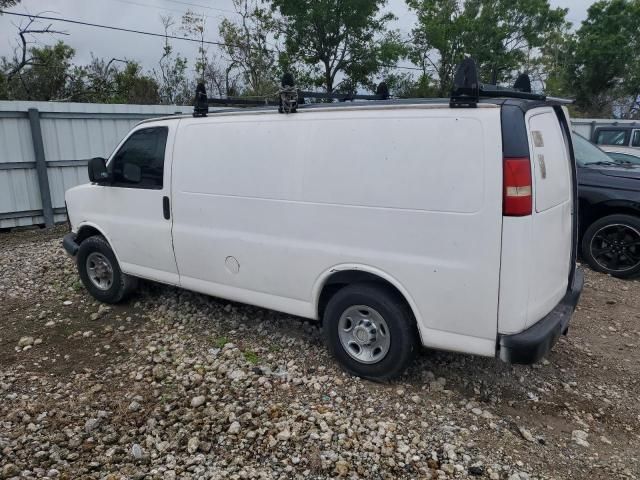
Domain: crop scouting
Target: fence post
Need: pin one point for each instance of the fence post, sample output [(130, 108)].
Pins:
[(41, 166)]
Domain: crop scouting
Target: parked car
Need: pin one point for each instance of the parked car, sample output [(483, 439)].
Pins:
[(609, 192), (626, 138), (396, 224), (623, 156)]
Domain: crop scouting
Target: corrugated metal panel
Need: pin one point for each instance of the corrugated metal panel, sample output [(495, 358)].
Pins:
[(70, 131), (63, 178)]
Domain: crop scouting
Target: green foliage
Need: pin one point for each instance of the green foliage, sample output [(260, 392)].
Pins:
[(173, 87), (498, 34), (604, 71), (132, 86), (221, 342), (405, 85), (48, 75), (251, 357), (8, 3), (247, 48), (194, 26), (347, 45), (330, 40)]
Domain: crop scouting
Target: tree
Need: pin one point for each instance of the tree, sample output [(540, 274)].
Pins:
[(8, 3), (171, 77), (499, 34), (27, 32), (604, 71), (247, 47), (337, 41), (134, 87), (46, 76), (194, 26)]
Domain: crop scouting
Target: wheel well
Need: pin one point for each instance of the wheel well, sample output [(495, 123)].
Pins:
[(86, 232), (341, 279), (596, 212)]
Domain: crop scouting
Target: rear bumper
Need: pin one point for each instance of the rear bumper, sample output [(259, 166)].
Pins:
[(69, 244), (532, 344)]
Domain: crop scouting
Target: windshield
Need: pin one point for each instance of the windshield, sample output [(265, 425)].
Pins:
[(588, 154), (624, 158)]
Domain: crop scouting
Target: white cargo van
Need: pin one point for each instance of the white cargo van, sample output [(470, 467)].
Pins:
[(396, 224)]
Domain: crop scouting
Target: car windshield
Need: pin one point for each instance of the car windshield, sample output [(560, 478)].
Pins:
[(588, 154), (624, 158)]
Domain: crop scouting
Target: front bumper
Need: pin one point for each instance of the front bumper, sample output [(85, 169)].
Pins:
[(532, 344), (69, 244)]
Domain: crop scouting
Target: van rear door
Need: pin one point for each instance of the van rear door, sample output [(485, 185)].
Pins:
[(552, 213), (538, 245)]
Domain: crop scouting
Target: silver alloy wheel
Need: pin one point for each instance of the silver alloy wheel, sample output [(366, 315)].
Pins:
[(99, 270), (364, 334)]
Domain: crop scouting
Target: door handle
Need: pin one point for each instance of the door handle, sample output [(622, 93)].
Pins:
[(166, 210)]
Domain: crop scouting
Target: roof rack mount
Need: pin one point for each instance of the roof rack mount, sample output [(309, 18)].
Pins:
[(467, 89)]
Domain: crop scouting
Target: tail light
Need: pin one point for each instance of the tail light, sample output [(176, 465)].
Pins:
[(517, 194)]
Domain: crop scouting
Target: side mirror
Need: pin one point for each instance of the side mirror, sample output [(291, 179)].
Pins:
[(131, 173), (98, 171)]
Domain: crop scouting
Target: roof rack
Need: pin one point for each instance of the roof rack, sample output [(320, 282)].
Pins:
[(289, 98), (466, 93)]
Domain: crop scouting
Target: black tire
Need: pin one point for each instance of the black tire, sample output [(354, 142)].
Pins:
[(404, 340), (610, 245), (121, 285)]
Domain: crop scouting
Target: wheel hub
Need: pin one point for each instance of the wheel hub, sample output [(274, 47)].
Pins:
[(364, 334), (100, 271), (616, 247)]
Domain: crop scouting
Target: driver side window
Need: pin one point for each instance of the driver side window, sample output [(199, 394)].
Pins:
[(140, 161)]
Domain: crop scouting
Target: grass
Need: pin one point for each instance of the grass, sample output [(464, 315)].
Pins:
[(221, 342), (251, 357)]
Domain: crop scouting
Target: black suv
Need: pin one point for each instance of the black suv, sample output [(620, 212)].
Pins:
[(609, 222)]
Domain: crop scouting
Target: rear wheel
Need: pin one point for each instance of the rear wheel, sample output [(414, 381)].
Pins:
[(100, 272), (370, 331), (612, 245)]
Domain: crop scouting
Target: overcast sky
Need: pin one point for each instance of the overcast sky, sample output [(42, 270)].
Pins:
[(145, 15)]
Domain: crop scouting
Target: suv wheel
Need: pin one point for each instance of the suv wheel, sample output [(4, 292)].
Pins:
[(612, 245), (100, 272), (370, 331)]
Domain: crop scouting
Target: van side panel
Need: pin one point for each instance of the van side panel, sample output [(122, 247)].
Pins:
[(412, 192)]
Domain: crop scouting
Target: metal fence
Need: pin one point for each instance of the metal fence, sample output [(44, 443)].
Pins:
[(44, 148)]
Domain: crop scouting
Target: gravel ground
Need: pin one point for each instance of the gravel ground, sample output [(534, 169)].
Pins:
[(174, 384)]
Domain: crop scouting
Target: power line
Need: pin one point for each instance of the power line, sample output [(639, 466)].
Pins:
[(161, 35), (120, 29), (181, 12), (201, 6)]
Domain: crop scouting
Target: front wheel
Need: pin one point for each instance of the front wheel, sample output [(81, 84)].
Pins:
[(100, 272), (612, 245), (370, 331)]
